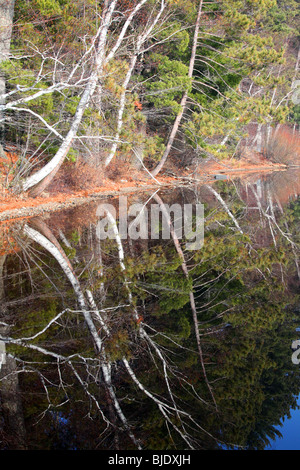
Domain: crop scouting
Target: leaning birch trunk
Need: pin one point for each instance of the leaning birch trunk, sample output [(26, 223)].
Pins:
[(121, 111), (140, 42), (6, 21), (177, 122), (41, 179), (56, 251)]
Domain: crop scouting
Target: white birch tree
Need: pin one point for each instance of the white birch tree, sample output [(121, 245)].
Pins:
[(6, 22), (184, 98), (86, 76)]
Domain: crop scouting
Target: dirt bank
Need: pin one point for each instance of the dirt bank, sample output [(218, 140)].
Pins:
[(13, 207)]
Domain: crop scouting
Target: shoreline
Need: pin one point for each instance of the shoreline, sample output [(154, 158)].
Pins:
[(25, 207)]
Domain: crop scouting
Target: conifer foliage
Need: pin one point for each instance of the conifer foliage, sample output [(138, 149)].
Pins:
[(116, 81)]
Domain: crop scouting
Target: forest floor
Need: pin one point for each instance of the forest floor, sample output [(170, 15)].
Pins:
[(14, 207)]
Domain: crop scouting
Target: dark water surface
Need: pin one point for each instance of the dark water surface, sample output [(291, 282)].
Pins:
[(126, 342)]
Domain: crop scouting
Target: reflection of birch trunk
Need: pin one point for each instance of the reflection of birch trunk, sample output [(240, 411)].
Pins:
[(191, 293), (221, 200), (172, 415), (294, 247), (56, 251), (296, 256), (11, 405), (164, 408), (99, 257), (273, 217), (67, 243), (273, 224)]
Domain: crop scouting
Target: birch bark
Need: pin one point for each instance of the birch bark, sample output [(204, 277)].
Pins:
[(178, 119), (140, 42), (45, 175), (6, 22)]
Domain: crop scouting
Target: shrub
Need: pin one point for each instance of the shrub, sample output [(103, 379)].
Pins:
[(77, 176), (283, 146)]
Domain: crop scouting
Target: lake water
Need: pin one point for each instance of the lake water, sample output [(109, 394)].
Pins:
[(176, 331)]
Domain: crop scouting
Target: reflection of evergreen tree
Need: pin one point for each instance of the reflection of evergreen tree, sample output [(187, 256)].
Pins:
[(246, 321), (259, 384), (249, 362)]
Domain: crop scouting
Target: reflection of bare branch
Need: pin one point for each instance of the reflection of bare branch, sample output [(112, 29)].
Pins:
[(295, 248), (60, 361), (221, 200), (191, 293), (164, 408), (174, 417), (274, 225), (69, 272)]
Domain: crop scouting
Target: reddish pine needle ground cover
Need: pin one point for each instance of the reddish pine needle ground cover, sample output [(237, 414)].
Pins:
[(60, 193)]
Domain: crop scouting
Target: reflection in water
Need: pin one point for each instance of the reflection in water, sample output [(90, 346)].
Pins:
[(143, 344)]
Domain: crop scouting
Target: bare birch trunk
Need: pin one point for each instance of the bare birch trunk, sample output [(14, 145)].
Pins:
[(6, 21), (140, 42), (38, 179), (177, 122), (41, 179), (258, 139)]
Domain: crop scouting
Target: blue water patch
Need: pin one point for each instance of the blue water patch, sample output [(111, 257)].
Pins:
[(290, 428)]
